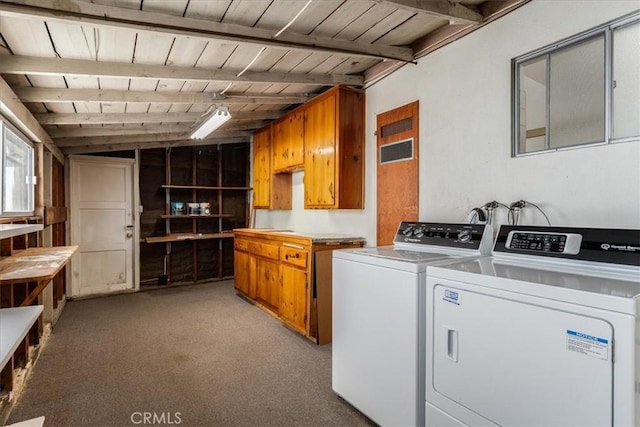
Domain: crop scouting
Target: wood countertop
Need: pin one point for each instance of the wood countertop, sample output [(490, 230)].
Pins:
[(309, 237), (35, 264)]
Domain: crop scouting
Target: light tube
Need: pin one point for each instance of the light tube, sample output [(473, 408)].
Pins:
[(220, 116)]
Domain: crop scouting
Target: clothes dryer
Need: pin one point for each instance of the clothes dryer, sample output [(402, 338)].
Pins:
[(543, 333)]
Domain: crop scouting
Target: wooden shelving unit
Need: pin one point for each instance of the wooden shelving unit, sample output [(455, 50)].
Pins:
[(194, 248)]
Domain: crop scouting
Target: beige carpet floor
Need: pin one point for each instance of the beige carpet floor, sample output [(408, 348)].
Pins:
[(191, 356)]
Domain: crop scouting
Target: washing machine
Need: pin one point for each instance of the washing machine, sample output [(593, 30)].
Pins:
[(545, 332), (379, 319)]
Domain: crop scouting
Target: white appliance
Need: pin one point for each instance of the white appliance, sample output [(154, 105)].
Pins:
[(378, 317), (543, 333)]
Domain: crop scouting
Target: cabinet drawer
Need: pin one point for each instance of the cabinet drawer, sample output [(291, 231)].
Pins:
[(241, 244), (264, 250), (294, 256)]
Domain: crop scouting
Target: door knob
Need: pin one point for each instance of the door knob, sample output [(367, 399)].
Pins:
[(129, 234)]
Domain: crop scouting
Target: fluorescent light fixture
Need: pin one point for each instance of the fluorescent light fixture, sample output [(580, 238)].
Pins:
[(215, 120)]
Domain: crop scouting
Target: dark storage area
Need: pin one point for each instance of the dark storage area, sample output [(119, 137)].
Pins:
[(194, 244)]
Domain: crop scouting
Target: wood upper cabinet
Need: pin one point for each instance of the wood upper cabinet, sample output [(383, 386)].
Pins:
[(288, 142), (269, 191), (334, 150)]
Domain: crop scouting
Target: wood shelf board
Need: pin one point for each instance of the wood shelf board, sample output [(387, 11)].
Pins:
[(14, 325), (190, 236), (196, 216), (202, 187), (35, 264)]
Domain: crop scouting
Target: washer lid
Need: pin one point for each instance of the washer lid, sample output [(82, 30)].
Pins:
[(391, 252)]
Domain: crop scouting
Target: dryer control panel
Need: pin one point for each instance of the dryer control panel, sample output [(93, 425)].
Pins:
[(562, 243), (610, 245)]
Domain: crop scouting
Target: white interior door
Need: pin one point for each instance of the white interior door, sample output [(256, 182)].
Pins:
[(102, 224)]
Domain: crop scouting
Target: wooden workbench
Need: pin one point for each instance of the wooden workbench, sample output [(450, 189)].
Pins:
[(38, 265), (25, 274)]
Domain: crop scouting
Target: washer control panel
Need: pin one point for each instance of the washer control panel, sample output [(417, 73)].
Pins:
[(467, 236)]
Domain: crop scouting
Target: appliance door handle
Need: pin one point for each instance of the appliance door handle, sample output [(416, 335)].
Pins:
[(451, 343)]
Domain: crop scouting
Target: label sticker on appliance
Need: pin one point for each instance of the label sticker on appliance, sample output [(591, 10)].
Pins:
[(588, 344), (452, 296)]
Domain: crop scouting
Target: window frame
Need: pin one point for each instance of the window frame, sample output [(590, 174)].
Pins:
[(607, 30), (4, 126)]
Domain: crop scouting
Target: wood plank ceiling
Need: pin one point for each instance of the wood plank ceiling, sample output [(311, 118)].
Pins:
[(121, 74)]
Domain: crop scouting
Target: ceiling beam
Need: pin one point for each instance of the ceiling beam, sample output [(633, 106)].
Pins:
[(109, 130), (441, 8), (143, 145), (97, 118), (37, 94), (23, 119), (83, 12), (131, 139), (491, 10), (33, 65)]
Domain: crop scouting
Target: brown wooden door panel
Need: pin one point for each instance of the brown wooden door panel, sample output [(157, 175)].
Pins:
[(262, 168), (397, 198), (296, 139), (241, 271), (293, 297), (320, 140), (280, 144), (267, 286)]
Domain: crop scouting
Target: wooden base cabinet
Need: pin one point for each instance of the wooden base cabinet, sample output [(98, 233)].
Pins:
[(278, 275), (267, 280), (294, 287)]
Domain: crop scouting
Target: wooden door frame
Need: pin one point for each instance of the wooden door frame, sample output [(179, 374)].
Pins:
[(135, 208)]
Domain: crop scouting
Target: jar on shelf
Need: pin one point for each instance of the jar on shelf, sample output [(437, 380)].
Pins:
[(177, 208), (193, 208), (205, 208)]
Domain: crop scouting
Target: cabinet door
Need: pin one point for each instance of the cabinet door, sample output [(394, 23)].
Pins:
[(296, 139), (293, 297), (262, 168), (280, 145), (241, 271), (320, 140), (267, 289), (288, 142)]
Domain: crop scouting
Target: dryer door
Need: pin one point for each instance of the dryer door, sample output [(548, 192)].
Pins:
[(519, 364)]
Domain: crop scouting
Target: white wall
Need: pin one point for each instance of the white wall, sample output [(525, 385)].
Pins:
[(465, 144)]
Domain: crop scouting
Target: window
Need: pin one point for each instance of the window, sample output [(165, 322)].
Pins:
[(17, 172), (581, 91)]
